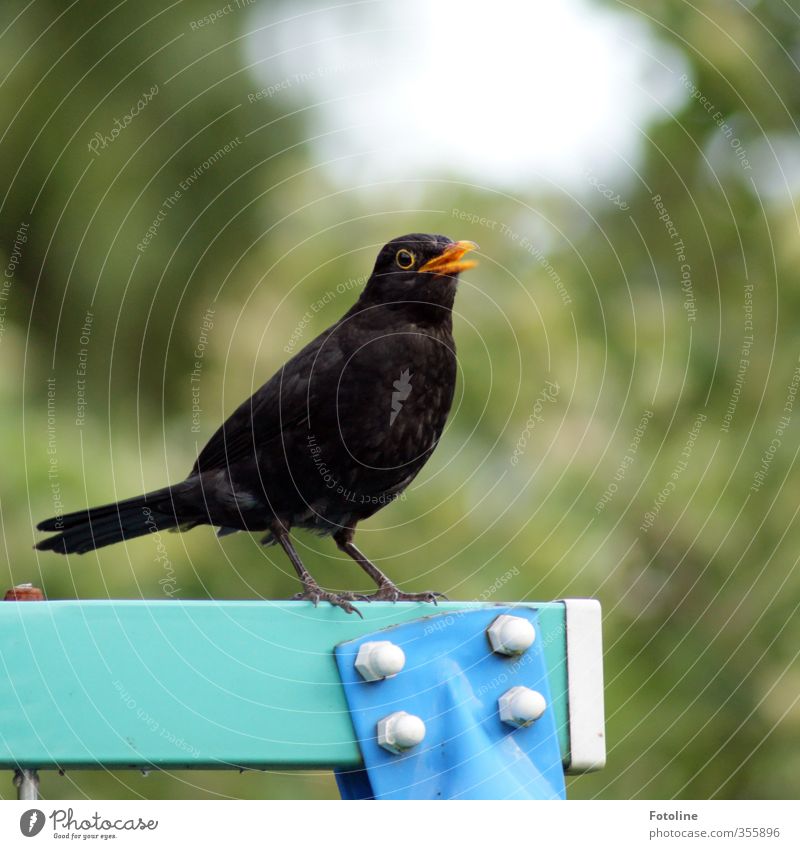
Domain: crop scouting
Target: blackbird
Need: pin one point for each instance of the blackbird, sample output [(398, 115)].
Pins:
[(335, 435)]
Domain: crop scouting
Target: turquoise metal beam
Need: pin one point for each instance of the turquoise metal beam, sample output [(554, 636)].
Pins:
[(198, 684)]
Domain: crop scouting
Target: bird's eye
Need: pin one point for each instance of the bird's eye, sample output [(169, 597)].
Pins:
[(405, 259)]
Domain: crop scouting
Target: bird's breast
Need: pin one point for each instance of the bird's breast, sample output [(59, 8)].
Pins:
[(391, 400)]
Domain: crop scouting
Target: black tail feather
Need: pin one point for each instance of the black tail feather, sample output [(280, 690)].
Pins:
[(86, 530)]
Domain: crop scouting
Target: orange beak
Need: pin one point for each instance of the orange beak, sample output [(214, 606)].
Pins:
[(449, 261)]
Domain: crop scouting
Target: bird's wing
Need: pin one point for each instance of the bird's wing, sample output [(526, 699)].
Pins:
[(283, 402)]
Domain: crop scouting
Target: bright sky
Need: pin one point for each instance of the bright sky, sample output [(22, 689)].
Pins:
[(492, 92)]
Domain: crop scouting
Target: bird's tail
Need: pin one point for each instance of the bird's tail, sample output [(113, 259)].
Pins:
[(86, 530)]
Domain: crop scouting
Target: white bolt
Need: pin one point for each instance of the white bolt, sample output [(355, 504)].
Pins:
[(521, 706), (379, 660), (511, 635), (400, 731)]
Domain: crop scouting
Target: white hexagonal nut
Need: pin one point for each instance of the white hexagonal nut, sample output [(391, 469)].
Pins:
[(400, 731), (511, 635), (521, 706), (378, 660)]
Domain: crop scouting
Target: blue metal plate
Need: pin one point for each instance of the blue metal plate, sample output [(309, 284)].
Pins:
[(452, 680)]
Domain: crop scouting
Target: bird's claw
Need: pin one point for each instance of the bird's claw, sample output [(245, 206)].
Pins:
[(392, 593), (316, 594), (356, 596)]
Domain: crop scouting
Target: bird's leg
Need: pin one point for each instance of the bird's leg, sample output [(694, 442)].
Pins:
[(311, 589), (387, 590)]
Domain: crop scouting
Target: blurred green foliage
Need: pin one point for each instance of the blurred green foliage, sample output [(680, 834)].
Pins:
[(701, 611)]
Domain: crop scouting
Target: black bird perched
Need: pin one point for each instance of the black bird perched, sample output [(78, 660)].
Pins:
[(337, 433)]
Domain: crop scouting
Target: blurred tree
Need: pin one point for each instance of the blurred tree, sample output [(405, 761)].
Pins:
[(666, 319)]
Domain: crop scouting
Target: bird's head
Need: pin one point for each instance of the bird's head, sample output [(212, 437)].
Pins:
[(418, 273)]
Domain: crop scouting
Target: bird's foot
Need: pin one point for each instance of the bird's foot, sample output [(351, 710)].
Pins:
[(355, 596), (315, 594), (389, 592)]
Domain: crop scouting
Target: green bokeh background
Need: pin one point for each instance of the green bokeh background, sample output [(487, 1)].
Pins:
[(701, 609)]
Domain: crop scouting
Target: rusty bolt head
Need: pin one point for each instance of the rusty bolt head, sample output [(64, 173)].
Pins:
[(24, 592)]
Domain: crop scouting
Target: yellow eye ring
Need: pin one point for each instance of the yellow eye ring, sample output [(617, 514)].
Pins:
[(405, 259)]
